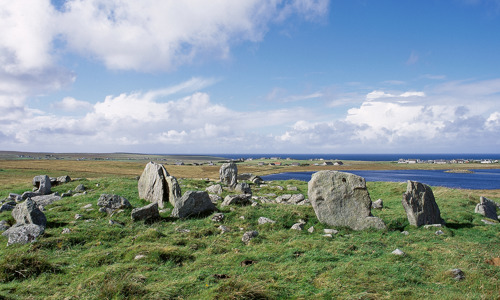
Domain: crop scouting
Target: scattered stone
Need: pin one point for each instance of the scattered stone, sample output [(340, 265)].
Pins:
[(242, 217), (311, 229), (66, 231), (15, 197), (221, 276), (78, 216), (183, 230), (342, 199), (279, 187), (379, 204), (429, 226), (330, 231), (487, 222), (241, 199), (218, 217), (87, 206), (42, 184), (27, 195), (223, 229), (487, 208), (255, 203), (439, 232), (398, 252), (80, 188), (256, 179), (296, 198), (7, 207), (28, 212), (291, 188), (214, 189), (113, 222), (298, 226), (283, 198), (228, 174), (247, 236), (264, 220), (247, 262), (420, 206), (23, 233), (193, 203), (156, 185), (405, 232), (242, 188), (146, 213), (328, 235), (139, 256), (111, 203), (63, 179), (457, 274)]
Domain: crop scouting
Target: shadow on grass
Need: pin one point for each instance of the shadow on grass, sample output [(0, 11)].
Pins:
[(459, 225)]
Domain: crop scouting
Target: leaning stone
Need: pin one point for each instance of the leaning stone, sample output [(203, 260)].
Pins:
[(379, 204), (247, 236), (242, 199), (264, 220), (23, 233), (146, 213), (420, 206), (156, 185), (398, 252), (112, 202), (342, 199), (28, 212), (193, 203), (487, 208), (228, 174)]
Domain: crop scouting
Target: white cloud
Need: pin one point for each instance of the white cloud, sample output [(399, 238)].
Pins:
[(412, 94), (71, 104)]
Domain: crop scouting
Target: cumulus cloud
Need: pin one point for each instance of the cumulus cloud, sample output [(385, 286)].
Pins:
[(70, 104)]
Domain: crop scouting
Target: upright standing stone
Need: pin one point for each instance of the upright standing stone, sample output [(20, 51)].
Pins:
[(42, 184), (342, 199), (420, 206), (487, 208), (228, 174), (157, 186)]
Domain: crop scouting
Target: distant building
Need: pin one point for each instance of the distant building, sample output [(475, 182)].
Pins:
[(327, 163)]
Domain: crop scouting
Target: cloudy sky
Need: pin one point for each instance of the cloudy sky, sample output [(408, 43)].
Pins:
[(250, 76)]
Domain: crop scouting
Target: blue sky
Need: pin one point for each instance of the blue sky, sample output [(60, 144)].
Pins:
[(253, 76)]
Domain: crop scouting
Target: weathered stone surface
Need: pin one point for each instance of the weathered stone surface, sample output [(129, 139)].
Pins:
[(298, 226), (228, 174), (156, 185), (146, 213), (242, 199), (420, 206), (247, 236), (7, 207), (379, 204), (256, 179), (4, 225), (487, 208), (23, 233), (27, 195), (264, 220), (214, 198), (398, 252), (29, 213), (457, 274), (15, 197), (63, 179), (218, 217), (342, 199), (244, 176), (42, 184), (45, 200), (80, 188), (110, 203), (214, 189), (242, 188), (192, 204)]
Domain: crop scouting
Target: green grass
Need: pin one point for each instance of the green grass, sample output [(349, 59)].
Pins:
[(97, 260)]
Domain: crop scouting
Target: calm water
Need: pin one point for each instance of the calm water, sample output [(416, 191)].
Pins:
[(479, 180)]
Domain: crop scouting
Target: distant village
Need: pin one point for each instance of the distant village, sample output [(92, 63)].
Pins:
[(445, 161)]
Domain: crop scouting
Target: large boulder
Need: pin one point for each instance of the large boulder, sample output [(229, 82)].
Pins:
[(228, 174), (420, 206), (23, 233), (110, 203), (241, 199), (29, 213), (157, 186), (192, 204), (42, 184), (487, 208), (342, 199), (147, 213)]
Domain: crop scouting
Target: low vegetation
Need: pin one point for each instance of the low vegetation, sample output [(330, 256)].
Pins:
[(191, 259)]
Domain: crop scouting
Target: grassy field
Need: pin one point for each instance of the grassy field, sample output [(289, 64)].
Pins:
[(96, 260)]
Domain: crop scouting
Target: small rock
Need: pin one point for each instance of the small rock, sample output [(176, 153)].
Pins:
[(4, 225), (242, 217), (264, 220), (439, 232), (311, 229), (223, 229), (488, 222), (139, 256), (66, 231), (218, 217), (183, 230), (457, 274), (405, 232), (80, 188), (379, 204), (330, 231), (146, 213), (297, 226), (398, 252), (247, 236), (328, 235), (87, 206), (78, 216), (112, 222)]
